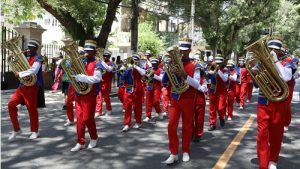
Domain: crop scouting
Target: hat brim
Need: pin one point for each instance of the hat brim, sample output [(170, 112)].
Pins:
[(218, 61), (274, 47), (89, 49), (183, 48), (33, 46)]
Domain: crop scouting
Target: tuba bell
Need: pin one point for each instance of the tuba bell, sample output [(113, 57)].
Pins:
[(172, 64), (17, 61), (261, 67), (73, 66)]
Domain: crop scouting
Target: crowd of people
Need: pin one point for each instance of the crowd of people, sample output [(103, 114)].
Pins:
[(168, 87)]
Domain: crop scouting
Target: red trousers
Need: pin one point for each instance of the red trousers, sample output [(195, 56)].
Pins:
[(133, 100), (230, 102), (288, 112), (270, 124), (69, 103), (243, 94), (199, 119), (237, 93), (85, 111), (152, 100), (121, 92), (104, 95), (217, 103), (166, 94), (29, 95), (177, 108), (249, 90)]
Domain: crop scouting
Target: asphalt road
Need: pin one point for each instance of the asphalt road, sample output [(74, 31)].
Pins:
[(144, 148)]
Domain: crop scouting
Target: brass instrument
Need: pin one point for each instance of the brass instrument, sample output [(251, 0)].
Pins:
[(130, 62), (263, 70), (17, 61), (149, 74), (172, 64), (73, 66)]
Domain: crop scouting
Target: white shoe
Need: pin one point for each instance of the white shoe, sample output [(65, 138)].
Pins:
[(286, 128), (272, 165), (172, 159), (147, 119), (97, 115), (69, 123), (248, 101), (34, 135), (241, 107), (123, 110), (93, 143), (160, 116), (77, 147), (165, 114), (186, 157), (229, 119), (137, 126), (125, 128), (14, 134)]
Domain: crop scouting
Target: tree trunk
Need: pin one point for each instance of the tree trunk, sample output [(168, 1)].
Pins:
[(75, 29), (106, 26), (134, 25)]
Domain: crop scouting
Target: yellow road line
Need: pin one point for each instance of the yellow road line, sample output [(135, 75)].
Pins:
[(223, 160)]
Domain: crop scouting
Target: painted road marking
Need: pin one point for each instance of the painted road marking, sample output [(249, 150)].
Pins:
[(223, 160)]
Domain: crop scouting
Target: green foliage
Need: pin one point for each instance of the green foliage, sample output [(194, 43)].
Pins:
[(148, 39), (17, 11)]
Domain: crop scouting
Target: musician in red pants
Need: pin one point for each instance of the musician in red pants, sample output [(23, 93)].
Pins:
[(85, 105), (249, 87), (271, 115), (200, 104), (183, 104), (105, 86), (243, 83), (134, 92), (217, 93), (153, 90), (231, 89), (27, 94)]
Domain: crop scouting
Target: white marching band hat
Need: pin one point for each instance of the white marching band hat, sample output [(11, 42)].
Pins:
[(185, 44), (275, 44), (33, 43), (90, 45)]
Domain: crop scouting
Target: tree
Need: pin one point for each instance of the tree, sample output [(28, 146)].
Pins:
[(80, 18), (149, 40)]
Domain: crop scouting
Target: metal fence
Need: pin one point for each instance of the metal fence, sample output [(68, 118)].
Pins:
[(7, 34), (50, 50)]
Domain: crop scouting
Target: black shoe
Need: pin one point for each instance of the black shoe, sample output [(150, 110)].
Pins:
[(64, 107), (222, 122), (212, 127), (196, 139)]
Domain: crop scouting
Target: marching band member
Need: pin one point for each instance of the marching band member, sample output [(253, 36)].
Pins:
[(133, 94), (179, 106), (200, 103), (231, 89), (27, 94), (217, 93), (289, 61), (249, 87), (105, 86), (243, 83), (85, 105), (271, 116), (153, 90)]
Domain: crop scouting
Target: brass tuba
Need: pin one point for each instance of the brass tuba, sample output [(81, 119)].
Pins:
[(73, 66), (262, 69), (172, 64), (17, 60)]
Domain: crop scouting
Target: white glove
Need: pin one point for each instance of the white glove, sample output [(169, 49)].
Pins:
[(274, 56), (202, 89), (79, 77)]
